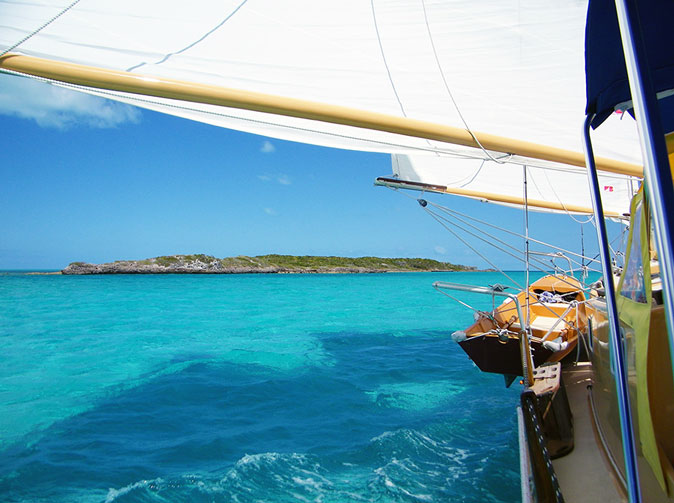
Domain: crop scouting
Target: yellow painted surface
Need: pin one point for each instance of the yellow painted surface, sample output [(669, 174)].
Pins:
[(114, 80)]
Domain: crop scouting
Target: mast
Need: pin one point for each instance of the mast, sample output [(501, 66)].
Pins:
[(526, 250)]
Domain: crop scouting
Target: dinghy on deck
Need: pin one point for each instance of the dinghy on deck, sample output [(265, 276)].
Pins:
[(556, 314)]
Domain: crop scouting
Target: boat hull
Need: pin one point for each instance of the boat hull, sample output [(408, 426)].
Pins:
[(490, 354)]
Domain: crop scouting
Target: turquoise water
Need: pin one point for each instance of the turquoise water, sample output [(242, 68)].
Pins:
[(247, 388)]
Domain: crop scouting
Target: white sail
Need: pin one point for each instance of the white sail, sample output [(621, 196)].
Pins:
[(558, 189), (502, 67)]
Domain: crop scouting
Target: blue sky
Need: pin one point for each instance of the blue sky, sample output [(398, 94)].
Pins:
[(91, 180)]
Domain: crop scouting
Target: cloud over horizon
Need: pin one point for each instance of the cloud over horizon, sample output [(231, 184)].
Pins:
[(54, 107)]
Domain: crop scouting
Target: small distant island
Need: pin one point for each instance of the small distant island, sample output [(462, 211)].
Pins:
[(265, 264)]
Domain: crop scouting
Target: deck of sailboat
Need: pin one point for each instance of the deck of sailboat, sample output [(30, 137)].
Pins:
[(585, 474)]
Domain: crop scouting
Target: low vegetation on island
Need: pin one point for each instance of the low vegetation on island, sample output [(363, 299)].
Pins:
[(206, 264)]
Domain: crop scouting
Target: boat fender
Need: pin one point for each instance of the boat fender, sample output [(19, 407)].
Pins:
[(459, 336), (555, 346)]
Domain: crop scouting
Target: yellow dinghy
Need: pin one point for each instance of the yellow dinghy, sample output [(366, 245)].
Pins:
[(557, 312)]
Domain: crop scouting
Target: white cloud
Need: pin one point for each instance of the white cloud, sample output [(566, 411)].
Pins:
[(280, 178), (270, 211), (440, 250), (283, 180), (54, 107), (267, 147)]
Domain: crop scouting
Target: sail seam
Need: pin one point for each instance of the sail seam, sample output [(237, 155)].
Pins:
[(35, 32), (201, 39)]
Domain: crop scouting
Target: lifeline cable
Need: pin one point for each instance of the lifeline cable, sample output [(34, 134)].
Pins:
[(493, 236), (513, 233)]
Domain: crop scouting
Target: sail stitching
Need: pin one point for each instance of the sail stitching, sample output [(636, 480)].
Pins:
[(201, 39), (35, 32)]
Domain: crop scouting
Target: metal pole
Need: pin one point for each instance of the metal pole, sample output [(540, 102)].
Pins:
[(526, 251), (615, 338), (657, 174), (460, 287)]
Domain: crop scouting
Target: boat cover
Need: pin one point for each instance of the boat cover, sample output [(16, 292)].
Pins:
[(606, 74)]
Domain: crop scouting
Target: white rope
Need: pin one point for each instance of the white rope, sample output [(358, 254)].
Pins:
[(449, 92), (35, 32), (540, 269), (559, 200), (383, 58)]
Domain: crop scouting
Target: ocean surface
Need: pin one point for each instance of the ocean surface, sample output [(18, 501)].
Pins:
[(247, 388)]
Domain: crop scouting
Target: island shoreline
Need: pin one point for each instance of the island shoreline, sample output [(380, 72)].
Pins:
[(263, 264)]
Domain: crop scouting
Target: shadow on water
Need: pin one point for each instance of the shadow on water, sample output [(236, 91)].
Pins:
[(400, 418)]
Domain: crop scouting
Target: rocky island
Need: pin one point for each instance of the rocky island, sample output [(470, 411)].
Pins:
[(270, 264)]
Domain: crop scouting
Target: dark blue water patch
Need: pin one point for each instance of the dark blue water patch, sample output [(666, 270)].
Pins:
[(399, 417)]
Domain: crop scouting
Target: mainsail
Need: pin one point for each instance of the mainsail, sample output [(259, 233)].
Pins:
[(506, 69)]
